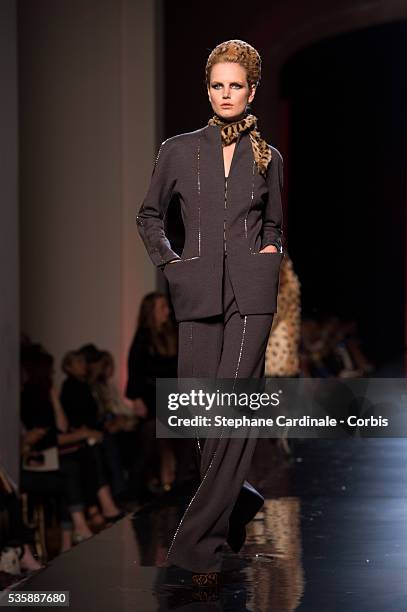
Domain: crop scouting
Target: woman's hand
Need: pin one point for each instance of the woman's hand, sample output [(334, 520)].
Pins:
[(30, 438), (95, 434), (270, 248), (33, 436), (140, 409), (85, 433)]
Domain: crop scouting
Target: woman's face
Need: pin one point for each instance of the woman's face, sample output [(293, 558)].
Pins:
[(78, 367), (96, 368), (161, 310), (228, 85)]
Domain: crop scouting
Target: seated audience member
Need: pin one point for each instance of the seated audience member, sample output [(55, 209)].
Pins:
[(16, 539), (81, 410), (111, 406), (76, 396), (48, 467), (119, 424)]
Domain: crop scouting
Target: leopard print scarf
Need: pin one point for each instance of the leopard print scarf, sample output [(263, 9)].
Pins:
[(230, 132)]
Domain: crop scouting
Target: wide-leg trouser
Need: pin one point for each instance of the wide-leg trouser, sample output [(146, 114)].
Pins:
[(226, 346)]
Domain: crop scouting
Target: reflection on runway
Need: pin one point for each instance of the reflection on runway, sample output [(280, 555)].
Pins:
[(329, 538)]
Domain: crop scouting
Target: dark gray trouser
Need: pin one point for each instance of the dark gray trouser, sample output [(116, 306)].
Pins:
[(227, 346)]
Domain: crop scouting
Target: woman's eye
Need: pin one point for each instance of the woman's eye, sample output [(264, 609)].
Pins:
[(234, 85)]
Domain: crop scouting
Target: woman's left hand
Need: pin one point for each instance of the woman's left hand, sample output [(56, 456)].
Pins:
[(270, 248)]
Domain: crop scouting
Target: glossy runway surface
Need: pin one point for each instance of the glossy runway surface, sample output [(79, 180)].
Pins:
[(331, 537)]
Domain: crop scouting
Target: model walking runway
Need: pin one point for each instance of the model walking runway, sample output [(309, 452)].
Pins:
[(228, 181)]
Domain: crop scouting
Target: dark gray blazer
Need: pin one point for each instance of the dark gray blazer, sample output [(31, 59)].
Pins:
[(239, 216)]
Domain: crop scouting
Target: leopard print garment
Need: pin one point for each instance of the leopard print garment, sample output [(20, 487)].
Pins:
[(282, 357), (230, 132)]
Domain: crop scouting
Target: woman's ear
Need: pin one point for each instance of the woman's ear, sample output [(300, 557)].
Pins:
[(252, 94)]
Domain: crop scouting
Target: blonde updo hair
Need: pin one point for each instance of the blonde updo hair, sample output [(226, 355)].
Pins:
[(240, 52)]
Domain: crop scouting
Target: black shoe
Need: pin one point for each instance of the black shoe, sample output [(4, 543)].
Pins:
[(236, 536), (176, 576), (246, 507)]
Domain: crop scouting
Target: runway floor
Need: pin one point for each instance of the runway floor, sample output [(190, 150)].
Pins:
[(329, 539)]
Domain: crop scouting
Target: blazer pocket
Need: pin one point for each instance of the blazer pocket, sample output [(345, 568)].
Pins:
[(188, 288), (255, 277)]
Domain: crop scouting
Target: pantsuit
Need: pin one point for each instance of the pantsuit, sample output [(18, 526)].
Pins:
[(224, 290), (230, 345)]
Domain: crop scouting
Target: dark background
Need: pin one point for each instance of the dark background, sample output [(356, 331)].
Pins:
[(343, 138)]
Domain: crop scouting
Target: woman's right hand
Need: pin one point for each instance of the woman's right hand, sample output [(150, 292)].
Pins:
[(32, 436), (96, 435), (92, 433)]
